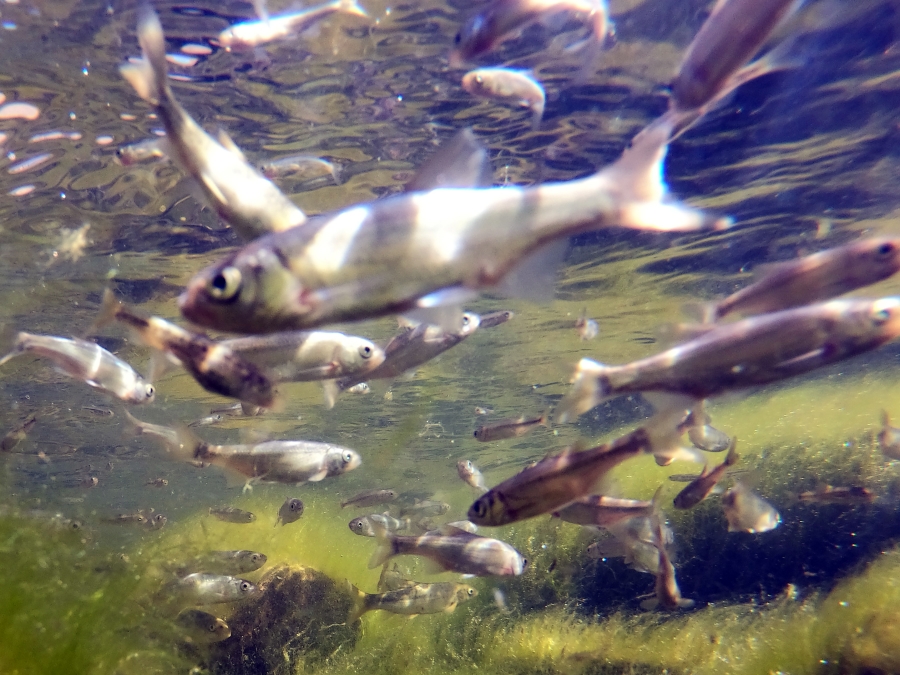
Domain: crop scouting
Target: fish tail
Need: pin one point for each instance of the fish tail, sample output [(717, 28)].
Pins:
[(590, 387), (732, 457), (386, 547), (337, 173), (664, 431), (149, 76), (351, 7), (885, 418), (360, 606), (109, 307), (19, 348)]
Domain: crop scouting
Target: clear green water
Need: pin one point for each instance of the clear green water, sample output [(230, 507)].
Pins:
[(803, 160)]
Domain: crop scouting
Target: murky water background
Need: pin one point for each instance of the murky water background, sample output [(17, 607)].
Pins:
[(803, 159)]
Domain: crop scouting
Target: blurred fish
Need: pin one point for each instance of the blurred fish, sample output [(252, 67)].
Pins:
[(366, 526), (889, 438), (361, 388), (207, 421), (157, 482), (412, 600), (301, 167), (436, 247), (703, 435), (813, 278), (202, 627), (290, 511), (483, 411), (89, 482), (98, 410), (470, 474), (748, 512), (230, 514), (492, 319), (309, 355), (827, 494), (668, 595), (603, 511), (464, 525), (424, 508), (587, 328), (392, 579), (215, 367), (209, 589), (702, 486), (156, 521), (458, 551), (370, 498), (509, 428), (152, 149), (127, 519), (223, 562), (169, 436), (242, 197), (249, 34), (503, 19), (17, 435), (503, 84), (88, 362), (754, 351)]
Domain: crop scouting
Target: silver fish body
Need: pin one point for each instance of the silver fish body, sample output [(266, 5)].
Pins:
[(370, 498), (603, 511), (503, 84), (413, 599), (210, 589), (470, 475), (223, 562), (301, 167), (230, 514), (367, 526), (202, 627), (746, 511)]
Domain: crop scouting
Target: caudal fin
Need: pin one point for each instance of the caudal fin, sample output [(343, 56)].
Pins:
[(385, 548), (359, 604), (149, 76), (590, 387)]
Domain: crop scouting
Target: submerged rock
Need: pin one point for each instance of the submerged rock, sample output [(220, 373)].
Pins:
[(299, 619)]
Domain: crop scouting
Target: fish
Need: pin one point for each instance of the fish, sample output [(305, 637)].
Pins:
[(425, 252), (366, 526), (587, 328), (213, 365), (370, 498), (223, 562), (98, 410), (754, 351), (157, 482), (411, 348), (88, 362), (170, 437), (207, 421), (453, 551), (249, 34), (230, 514), (702, 486), (558, 480), (302, 167), (17, 435), (502, 19), (815, 277), (603, 511), (509, 428), (746, 511), (497, 318), (827, 494), (202, 627), (361, 388), (157, 521), (200, 588), (424, 508), (152, 149), (503, 84), (299, 356), (632, 539), (479, 410), (89, 482), (244, 198), (290, 511), (705, 436), (470, 475), (127, 519), (412, 600), (888, 438), (392, 579), (668, 595)]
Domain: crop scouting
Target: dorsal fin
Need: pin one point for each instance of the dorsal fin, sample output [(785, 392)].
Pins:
[(461, 162)]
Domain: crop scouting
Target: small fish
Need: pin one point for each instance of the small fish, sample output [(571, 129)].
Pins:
[(223, 562), (97, 410), (301, 167), (701, 487), (483, 411), (290, 511), (497, 318), (127, 519), (157, 482), (456, 551), (471, 475), (361, 388), (170, 437), (412, 600), (366, 526), (668, 595), (215, 367), (148, 150), (370, 498), (603, 511), (249, 34), (210, 589), (207, 421), (157, 521), (242, 196), (509, 428), (587, 328), (463, 525), (754, 351), (888, 438), (748, 512), (89, 482), (392, 579), (424, 508), (230, 514), (202, 627), (503, 84), (88, 362), (17, 435), (826, 494), (705, 436)]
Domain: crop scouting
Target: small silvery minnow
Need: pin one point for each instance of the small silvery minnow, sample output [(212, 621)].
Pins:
[(453, 551), (365, 526), (361, 388), (497, 318), (425, 508), (370, 498), (301, 167), (290, 511), (207, 421), (587, 328), (202, 627), (250, 34), (888, 438), (209, 589), (754, 351), (148, 150), (603, 511), (412, 600), (242, 197), (426, 251), (503, 84), (510, 428), (223, 562), (746, 511), (470, 475), (702, 486), (230, 514), (88, 362), (668, 595), (17, 435), (703, 435)]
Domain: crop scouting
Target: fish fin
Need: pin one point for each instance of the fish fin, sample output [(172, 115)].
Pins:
[(149, 76), (590, 387), (442, 309), (385, 549), (289, 373), (18, 351), (461, 162), (359, 604), (430, 566), (732, 457), (250, 410), (228, 143), (679, 453), (534, 277), (685, 603), (330, 391), (351, 7), (315, 478), (107, 314), (160, 364), (703, 314), (650, 604)]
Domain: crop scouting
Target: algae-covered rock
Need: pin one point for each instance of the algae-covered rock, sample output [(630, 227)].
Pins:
[(875, 649), (300, 617)]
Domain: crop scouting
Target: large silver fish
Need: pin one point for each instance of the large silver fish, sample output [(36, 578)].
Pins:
[(210, 589), (422, 251), (413, 599)]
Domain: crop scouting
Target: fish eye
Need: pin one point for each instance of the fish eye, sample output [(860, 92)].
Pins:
[(465, 320), (212, 628), (348, 457), (886, 248), (226, 284), (149, 391), (255, 557), (480, 508), (296, 506), (880, 317), (246, 586), (365, 351), (524, 564)]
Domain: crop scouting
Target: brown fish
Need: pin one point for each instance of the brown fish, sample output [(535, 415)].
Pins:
[(668, 595), (509, 428), (230, 514), (603, 511), (702, 486), (826, 494), (17, 435), (370, 498), (492, 319)]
